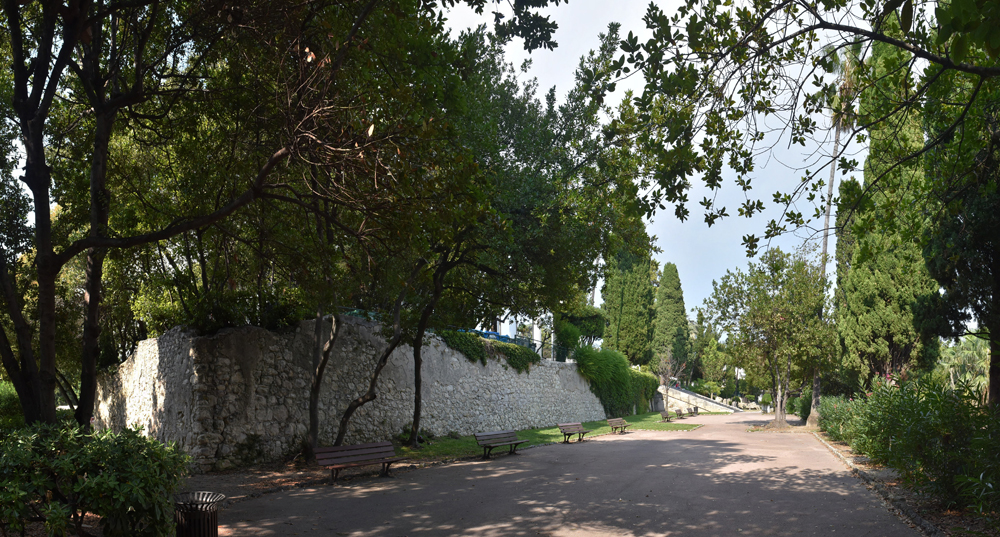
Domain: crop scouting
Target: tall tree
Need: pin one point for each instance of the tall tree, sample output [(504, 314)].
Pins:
[(845, 66), (628, 306), (671, 323), (887, 274), (963, 254), (773, 316), (94, 81), (960, 245)]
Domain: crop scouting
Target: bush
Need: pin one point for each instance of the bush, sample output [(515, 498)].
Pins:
[(477, 349), (567, 339), (11, 416), (836, 414), (58, 472), (940, 440), (800, 406), (620, 388)]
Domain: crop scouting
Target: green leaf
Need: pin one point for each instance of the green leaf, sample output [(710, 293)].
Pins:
[(906, 17)]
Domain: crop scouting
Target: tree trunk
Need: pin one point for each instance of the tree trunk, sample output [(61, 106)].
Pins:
[(813, 419), (38, 180), (24, 375), (100, 208), (397, 335), (418, 343), (321, 357), (993, 392)]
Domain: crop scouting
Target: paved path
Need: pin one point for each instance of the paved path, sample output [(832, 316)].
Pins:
[(717, 480)]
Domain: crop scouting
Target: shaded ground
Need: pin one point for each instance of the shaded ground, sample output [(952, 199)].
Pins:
[(718, 480)]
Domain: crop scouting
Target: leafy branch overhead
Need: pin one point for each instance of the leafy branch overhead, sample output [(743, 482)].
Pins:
[(727, 82)]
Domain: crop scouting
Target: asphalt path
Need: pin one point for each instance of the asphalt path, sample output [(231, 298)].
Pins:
[(720, 479)]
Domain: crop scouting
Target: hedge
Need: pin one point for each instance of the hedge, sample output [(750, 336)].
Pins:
[(477, 349), (621, 389)]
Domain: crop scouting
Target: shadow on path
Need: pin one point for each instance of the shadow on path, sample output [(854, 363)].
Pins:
[(719, 480)]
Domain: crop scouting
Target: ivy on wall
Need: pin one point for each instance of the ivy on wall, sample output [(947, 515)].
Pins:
[(477, 349), (621, 389)]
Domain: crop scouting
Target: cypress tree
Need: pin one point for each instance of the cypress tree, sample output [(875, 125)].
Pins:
[(628, 307), (886, 273), (671, 330)]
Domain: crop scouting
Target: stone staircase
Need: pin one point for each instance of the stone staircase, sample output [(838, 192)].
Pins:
[(683, 399)]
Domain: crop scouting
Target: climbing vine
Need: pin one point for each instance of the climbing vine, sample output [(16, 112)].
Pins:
[(477, 349), (621, 389)]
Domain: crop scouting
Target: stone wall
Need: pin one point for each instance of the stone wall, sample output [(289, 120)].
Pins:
[(244, 393)]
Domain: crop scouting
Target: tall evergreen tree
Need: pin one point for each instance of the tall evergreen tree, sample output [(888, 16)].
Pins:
[(671, 327), (628, 307), (887, 273)]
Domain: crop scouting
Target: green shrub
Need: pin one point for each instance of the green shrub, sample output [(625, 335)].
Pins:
[(939, 440), (59, 472), (619, 387), (800, 406), (11, 416), (468, 344), (644, 387), (836, 414), (567, 339), (477, 349), (518, 357)]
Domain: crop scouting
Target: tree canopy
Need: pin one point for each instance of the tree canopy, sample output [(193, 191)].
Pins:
[(773, 317)]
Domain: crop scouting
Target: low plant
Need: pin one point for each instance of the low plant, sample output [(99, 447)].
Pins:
[(57, 473), (939, 439), (11, 416), (477, 349)]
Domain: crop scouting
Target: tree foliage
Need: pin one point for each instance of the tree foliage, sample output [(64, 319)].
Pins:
[(721, 77), (773, 316), (628, 307), (670, 329)]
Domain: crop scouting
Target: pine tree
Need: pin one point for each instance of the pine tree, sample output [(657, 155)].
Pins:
[(628, 307), (671, 326)]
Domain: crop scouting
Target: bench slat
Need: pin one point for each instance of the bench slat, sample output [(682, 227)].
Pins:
[(357, 447), (352, 456), (365, 463)]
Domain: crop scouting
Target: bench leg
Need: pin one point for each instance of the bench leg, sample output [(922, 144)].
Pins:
[(385, 469), (334, 474), (513, 450), (566, 439)]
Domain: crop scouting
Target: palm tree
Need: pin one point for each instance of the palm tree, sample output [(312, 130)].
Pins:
[(846, 62)]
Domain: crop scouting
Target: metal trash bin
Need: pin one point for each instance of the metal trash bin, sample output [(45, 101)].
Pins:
[(197, 513)]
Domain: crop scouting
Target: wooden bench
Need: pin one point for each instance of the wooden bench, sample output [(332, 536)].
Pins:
[(618, 424), (680, 413), (665, 414), (340, 457), (488, 441), (569, 429)]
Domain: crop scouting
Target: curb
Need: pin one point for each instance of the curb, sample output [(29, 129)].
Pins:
[(902, 508)]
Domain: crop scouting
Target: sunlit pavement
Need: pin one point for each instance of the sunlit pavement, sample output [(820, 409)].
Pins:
[(717, 480)]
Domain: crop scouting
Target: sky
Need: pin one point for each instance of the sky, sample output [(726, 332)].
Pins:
[(702, 254)]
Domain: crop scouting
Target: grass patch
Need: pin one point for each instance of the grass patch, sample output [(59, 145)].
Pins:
[(443, 447)]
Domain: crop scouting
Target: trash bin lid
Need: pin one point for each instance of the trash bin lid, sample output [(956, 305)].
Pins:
[(201, 500)]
